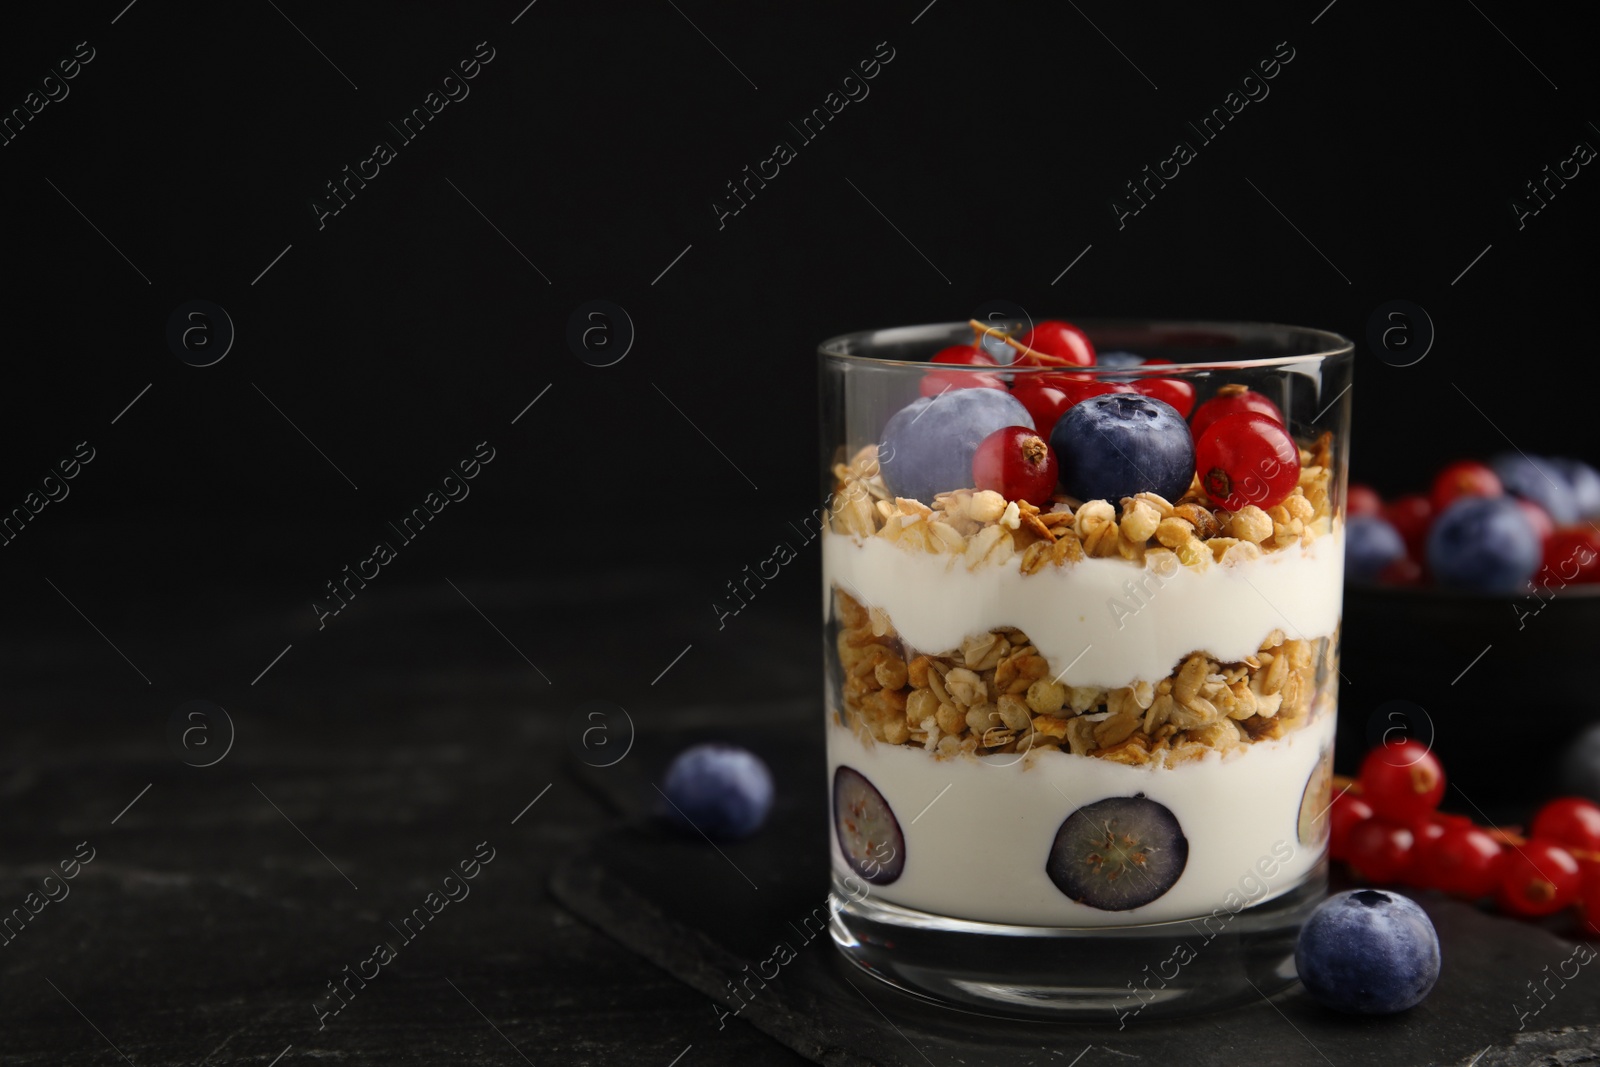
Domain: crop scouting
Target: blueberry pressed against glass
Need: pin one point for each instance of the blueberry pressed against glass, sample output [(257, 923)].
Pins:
[(928, 445), (869, 834), (1118, 854), (1312, 825)]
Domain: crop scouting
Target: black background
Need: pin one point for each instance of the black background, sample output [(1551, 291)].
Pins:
[(414, 324)]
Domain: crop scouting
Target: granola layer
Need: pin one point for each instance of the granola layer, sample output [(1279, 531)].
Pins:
[(995, 694)]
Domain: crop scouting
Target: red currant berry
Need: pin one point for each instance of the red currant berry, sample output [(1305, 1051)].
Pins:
[(1044, 398), (1465, 861), (1404, 571), (1232, 401), (1425, 835), (1465, 477), (1178, 393), (1540, 878), (1345, 813), (1589, 896), (1362, 500), (1016, 463), (961, 356), (1570, 821), (1571, 555), (1411, 516), (1060, 339), (1402, 779), (1380, 850), (1246, 458)]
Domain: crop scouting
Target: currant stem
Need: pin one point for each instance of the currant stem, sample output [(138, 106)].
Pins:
[(1018, 345)]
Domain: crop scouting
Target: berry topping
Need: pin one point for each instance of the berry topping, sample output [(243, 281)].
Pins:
[(1121, 445), (1118, 360), (1402, 779), (1371, 546), (1231, 400), (935, 383), (1068, 344), (1015, 462), (723, 791), (928, 445), (1118, 854), (1247, 458), (1045, 400), (1483, 543), (1368, 952), (1463, 478), (869, 834), (1175, 392)]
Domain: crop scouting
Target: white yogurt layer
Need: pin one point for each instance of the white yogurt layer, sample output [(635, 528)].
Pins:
[(978, 830), (1108, 622)]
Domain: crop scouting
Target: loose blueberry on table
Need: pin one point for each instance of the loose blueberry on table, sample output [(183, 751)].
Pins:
[(722, 790), (1368, 952)]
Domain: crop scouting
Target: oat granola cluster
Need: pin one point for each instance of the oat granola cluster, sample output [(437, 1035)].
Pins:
[(994, 694), (983, 528)]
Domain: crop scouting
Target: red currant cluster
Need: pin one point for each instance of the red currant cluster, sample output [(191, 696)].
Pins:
[(1385, 824)]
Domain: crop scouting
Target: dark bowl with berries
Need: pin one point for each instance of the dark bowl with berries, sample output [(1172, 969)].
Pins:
[(1471, 611)]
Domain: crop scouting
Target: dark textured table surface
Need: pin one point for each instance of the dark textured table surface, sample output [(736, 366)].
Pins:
[(427, 725)]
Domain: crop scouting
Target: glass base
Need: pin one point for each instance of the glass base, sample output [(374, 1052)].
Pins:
[(1160, 970)]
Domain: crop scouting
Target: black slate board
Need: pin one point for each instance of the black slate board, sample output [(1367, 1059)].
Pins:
[(704, 914)]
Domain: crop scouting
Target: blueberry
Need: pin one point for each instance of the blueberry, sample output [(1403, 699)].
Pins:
[(723, 791), (1118, 854), (869, 834), (1537, 479), (1118, 361), (1585, 483), (1580, 765), (927, 445), (1484, 544), (1122, 444), (1368, 952), (1312, 825), (1370, 544)]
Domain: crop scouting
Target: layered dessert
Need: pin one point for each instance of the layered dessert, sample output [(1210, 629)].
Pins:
[(1083, 649)]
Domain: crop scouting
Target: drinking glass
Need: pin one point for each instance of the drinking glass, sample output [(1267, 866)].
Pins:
[(1080, 751)]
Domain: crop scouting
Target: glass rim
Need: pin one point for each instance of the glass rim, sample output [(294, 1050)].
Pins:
[(1333, 346)]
